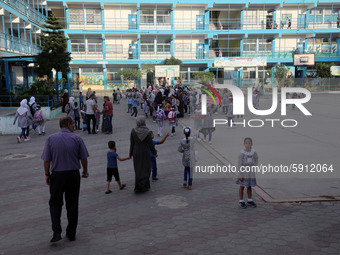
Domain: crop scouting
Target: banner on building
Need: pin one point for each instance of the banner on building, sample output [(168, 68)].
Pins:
[(335, 70), (240, 62), (92, 79), (167, 71)]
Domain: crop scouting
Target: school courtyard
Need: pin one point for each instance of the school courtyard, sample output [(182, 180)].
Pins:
[(296, 213)]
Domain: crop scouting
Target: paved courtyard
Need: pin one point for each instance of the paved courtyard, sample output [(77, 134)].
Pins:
[(169, 219)]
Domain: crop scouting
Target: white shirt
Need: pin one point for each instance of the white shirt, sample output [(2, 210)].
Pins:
[(89, 104)]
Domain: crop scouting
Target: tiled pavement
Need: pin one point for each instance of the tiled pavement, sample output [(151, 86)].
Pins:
[(167, 220)]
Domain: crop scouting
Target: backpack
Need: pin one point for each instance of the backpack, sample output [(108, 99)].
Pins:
[(38, 116), (31, 109), (171, 116), (160, 115), (67, 108)]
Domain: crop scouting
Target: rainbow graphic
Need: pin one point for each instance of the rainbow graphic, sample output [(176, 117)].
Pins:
[(209, 93)]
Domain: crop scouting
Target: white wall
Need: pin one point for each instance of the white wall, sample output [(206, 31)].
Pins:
[(186, 42), (117, 40), (185, 17), (116, 17), (18, 70)]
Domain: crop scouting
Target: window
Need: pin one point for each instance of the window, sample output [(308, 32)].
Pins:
[(76, 16), (250, 45), (163, 45), (146, 17), (93, 16), (265, 46), (249, 73), (330, 15), (94, 45), (114, 48), (251, 17), (77, 45), (88, 70), (112, 75), (147, 45), (163, 17), (315, 16)]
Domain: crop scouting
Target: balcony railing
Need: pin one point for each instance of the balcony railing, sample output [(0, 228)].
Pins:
[(13, 44), (26, 10)]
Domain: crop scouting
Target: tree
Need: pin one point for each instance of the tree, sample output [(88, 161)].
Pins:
[(54, 54), (204, 77), (130, 74), (280, 75), (172, 61), (323, 70)]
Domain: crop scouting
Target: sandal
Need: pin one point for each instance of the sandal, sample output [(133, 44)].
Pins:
[(123, 186), (108, 192), (184, 184)]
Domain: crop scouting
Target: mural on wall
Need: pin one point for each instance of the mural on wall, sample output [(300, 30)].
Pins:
[(92, 79), (121, 86)]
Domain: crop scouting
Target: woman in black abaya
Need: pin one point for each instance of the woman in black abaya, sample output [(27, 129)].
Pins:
[(140, 142)]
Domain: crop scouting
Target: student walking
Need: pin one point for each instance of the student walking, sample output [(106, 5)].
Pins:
[(153, 158), (247, 158), (112, 167), (172, 116), (25, 118), (160, 116), (186, 147), (39, 120)]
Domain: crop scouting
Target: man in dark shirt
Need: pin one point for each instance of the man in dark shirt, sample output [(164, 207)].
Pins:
[(64, 149)]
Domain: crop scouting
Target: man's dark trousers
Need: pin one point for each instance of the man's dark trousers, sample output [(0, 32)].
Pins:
[(67, 182)]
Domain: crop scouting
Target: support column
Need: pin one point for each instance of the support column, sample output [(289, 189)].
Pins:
[(138, 17), (172, 18), (172, 46), (138, 47), (206, 19), (206, 49), (307, 18), (241, 47), (7, 75), (104, 46), (242, 18), (19, 37), (4, 31), (273, 48), (306, 45), (338, 49), (31, 43), (274, 21), (12, 41), (105, 76), (67, 16), (103, 15)]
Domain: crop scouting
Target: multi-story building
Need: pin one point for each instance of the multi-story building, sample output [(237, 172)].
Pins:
[(107, 35), (21, 23)]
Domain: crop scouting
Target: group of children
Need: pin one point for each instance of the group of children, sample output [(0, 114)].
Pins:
[(247, 157)]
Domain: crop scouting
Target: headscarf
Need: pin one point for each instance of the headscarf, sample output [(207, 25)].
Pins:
[(23, 107), (89, 92), (32, 101), (71, 99), (141, 130)]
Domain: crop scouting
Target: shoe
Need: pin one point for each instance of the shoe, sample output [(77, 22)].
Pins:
[(242, 205), (19, 139), (89, 133), (172, 134), (251, 204), (155, 179), (184, 184), (94, 133), (210, 142), (26, 140), (39, 134), (71, 237), (189, 187), (56, 237), (43, 133), (123, 186), (108, 192)]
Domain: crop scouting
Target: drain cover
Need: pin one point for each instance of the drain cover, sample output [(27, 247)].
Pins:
[(19, 156)]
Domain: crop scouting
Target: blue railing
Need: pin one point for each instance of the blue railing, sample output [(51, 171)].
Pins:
[(14, 100), (13, 44), (26, 10)]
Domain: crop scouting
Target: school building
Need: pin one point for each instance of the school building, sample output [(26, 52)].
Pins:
[(107, 35)]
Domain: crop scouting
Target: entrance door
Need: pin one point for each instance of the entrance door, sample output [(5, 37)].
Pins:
[(300, 48), (200, 22), (236, 78), (199, 51), (132, 21)]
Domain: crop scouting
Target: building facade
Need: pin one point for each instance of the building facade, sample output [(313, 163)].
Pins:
[(105, 36), (21, 24)]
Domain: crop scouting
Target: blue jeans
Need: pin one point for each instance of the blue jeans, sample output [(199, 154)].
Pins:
[(129, 108), (23, 133), (135, 112), (154, 167), (186, 174), (208, 132), (109, 122)]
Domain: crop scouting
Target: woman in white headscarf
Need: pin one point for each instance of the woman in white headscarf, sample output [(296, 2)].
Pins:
[(25, 118), (33, 108), (140, 143), (69, 108), (88, 93)]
